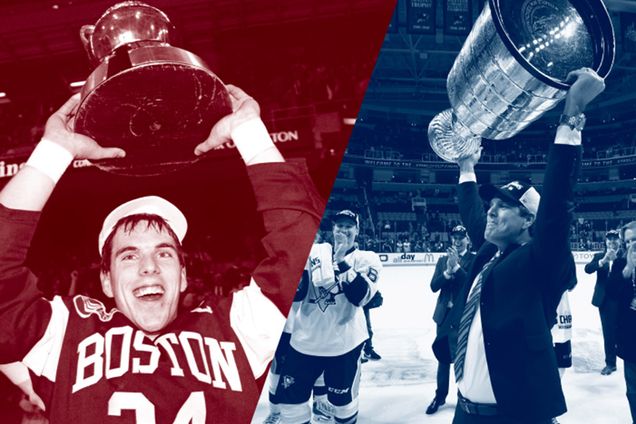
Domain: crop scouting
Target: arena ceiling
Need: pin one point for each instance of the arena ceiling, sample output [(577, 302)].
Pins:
[(40, 28), (409, 80), (41, 54), (39, 39)]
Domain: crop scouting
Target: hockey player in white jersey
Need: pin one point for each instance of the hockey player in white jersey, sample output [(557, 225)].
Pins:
[(330, 328), (281, 355)]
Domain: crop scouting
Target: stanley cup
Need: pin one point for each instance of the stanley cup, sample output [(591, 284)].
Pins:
[(513, 68), (152, 99)]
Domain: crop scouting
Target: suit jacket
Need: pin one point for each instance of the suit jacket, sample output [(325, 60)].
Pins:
[(602, 275), (520, 293), (449, 289), (622, 290)]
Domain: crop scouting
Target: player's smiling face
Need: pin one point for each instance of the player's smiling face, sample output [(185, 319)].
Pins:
[(460, 243), (347, 229), (145, 277), (613, 244), (505, 223)]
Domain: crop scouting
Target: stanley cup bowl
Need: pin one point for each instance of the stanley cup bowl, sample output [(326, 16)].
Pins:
[(514, 65), (152, 99)]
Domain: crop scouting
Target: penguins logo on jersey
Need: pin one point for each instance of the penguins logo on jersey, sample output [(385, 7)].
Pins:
[(288, 380), (325, 297)]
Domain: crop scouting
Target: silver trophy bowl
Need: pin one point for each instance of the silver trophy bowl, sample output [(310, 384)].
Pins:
[(154, 100), (513, 68)]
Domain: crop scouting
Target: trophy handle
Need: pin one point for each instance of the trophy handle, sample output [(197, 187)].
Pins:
[(86, 35), (449, 139)]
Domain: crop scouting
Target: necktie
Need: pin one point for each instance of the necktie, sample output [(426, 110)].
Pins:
[(467, 318)]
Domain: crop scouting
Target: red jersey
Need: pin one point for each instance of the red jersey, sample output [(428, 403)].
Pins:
[(92, 365)]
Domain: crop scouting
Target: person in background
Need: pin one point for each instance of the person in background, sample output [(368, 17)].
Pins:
[(602, 264), (562, 328), (329, 327), (449, 278), (622, 286)]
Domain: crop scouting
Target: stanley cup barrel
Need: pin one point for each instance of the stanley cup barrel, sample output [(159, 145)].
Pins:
[(513, 68), (152, 99)]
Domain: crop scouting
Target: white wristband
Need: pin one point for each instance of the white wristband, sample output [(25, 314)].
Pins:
[(51, 159), (467, 177), (566, 135), (251, 138)]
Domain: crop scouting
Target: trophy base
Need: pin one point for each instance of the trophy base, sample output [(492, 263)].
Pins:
[(155, 102), (449, 139)]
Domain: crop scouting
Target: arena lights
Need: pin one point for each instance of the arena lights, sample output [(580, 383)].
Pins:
[(349, 121), (77, 84)]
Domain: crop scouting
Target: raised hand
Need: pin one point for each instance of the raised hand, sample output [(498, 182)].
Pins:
[(610, 255), (341, 246), (587, 85), (244, 108), (467, 163), (453, 259), (59, 129)]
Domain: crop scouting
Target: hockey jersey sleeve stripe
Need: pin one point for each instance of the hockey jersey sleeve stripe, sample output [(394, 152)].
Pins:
[(44, 357), (364, 277), (343, 266), (258, 324), (356, 290)]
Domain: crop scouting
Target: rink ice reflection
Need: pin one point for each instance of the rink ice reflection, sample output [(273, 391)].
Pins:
[(398, 388)]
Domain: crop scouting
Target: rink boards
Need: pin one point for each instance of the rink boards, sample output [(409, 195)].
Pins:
[(398, 388), (430, 259)]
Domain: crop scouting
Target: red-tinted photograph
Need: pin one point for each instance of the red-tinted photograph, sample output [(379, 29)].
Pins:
[(164, 167)]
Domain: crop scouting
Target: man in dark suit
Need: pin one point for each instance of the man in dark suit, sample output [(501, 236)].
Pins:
[(602, 263), (449, 278), (622, 287), (505, 365)]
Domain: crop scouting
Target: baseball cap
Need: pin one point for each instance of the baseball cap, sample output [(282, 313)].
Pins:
[(612, 234), (153, 205), (458, 230), (517, 192), (348, 216)]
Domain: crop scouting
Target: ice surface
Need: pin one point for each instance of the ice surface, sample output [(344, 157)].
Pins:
[(398, 388)]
